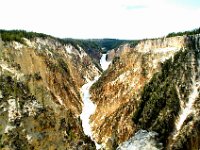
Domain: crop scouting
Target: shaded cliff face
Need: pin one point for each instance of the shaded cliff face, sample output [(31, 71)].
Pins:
[(158, 67), (40, 99)]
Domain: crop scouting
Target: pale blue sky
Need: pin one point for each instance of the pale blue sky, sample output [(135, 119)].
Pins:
[(187, 3), (125, 19)]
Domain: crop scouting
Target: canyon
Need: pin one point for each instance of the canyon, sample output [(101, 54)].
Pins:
[(58, 95)]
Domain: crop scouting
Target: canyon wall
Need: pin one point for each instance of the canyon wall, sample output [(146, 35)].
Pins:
[(163, 68), (40, 99)]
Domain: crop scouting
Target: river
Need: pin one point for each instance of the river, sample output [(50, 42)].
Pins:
[(88, 106)]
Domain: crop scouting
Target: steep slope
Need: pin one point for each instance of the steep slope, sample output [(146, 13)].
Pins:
[(40, 95), (120, 93), (91, 47), (167, 96), (26, 123), (60, 69), (147, 98)]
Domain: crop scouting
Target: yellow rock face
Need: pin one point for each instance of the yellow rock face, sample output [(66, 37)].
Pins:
[(40, 95), (119, 88)]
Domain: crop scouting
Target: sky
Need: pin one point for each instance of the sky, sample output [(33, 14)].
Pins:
[(83, 19)]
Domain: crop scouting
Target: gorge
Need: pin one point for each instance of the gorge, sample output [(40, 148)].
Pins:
[(68, 94)]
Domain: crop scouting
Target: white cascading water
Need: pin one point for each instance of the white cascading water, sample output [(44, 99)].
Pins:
[(88, 106), (104, 64), (88, 109)]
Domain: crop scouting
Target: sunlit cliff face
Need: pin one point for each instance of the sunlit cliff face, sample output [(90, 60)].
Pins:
[(146, 96), (118, 91), (40, 97)]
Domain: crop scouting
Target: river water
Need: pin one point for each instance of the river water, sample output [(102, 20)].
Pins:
[(88, 106)]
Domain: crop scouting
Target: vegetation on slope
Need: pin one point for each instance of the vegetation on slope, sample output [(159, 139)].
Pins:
[(160, 102), (90, 47), (109, 44), (51, 80), (33, 125), (18, 35), (192, 32)]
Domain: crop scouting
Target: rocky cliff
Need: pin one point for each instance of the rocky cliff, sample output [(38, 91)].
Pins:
[(148, 98), (148, 87), (40, 99)]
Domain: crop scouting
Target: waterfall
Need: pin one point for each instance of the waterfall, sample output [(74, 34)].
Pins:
[(88, 106), (104, 64)]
